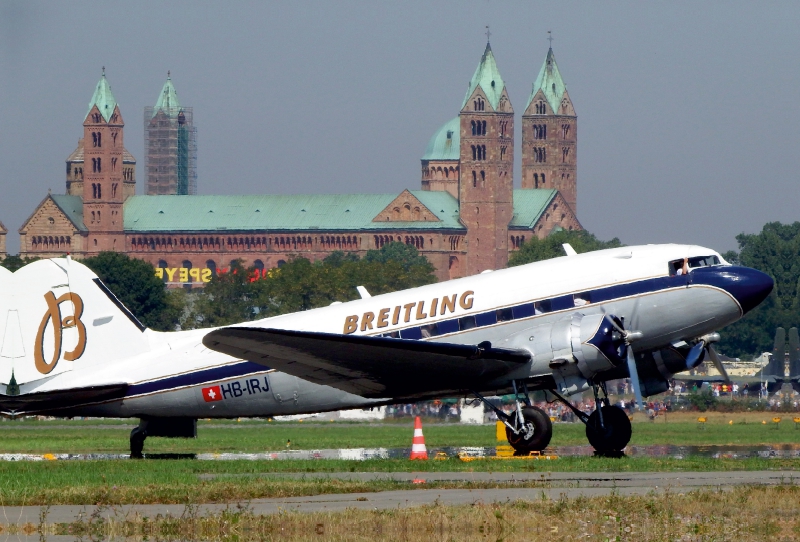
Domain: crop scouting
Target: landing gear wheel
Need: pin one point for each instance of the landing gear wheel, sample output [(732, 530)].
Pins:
[(615, 433), (536, 432), (138, 434)]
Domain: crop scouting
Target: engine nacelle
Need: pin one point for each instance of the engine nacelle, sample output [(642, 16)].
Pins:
[(591, 343)]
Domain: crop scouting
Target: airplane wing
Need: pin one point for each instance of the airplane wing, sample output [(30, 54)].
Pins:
[(374, 367), (47, 401)]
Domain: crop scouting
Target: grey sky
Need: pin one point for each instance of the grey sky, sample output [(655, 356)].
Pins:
[(687, 111)]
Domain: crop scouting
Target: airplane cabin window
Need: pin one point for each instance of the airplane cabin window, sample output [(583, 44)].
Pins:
[(582, 299), (429, 331), (504, 315), (467, 322)]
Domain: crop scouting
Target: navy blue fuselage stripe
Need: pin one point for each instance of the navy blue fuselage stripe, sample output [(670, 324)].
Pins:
[(203, 376), (543, 306)]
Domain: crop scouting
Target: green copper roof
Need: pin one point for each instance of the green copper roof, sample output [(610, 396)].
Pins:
[(529, 206), (168, 99), (72, 207), (550, 82), (103, 99), (445, 143), (280, 212), (486, 76)]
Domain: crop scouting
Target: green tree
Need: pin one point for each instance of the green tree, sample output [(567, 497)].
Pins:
[(134, 283), (14, 262), (775, 251), (227, 299), (535, 249), (301, 285)]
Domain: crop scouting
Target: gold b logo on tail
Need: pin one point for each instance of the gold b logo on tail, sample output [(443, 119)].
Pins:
[(53, 315)]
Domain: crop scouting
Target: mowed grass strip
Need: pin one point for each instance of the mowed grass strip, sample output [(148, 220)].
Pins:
[(178, 482), (741, 514), (254, 437)]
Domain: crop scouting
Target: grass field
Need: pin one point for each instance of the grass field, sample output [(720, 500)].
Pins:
[(64, 436), (177, 481)]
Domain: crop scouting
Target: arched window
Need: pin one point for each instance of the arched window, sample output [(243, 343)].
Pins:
[(474, 179), (259, 265), (474, 128)]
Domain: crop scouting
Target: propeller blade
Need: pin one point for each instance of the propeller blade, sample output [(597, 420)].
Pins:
[(695, 355), (718, 363), (634, 374)]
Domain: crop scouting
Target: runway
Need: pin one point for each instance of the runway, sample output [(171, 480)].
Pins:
[(547, 486)]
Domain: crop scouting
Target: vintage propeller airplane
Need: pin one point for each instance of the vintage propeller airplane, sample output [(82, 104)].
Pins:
[(566, 325)]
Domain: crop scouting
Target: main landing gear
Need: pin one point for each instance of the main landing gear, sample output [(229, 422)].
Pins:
[(608, 427), (528, 428)]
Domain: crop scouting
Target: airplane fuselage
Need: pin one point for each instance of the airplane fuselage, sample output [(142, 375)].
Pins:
[(173, 374)]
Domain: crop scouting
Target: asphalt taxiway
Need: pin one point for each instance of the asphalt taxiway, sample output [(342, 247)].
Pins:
[(538, 486)]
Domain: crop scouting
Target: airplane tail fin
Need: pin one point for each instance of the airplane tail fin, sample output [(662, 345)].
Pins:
[(56, 315), (775, 366), (794, 354)]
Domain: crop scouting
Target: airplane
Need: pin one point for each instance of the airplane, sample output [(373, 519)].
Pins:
[(566, 325), (772, 376)]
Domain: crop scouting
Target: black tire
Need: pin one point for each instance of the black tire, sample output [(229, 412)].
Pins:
[(538, 438), (138, 434), (616, 433)]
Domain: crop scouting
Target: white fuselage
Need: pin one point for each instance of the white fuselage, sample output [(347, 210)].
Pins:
[(174, 373)]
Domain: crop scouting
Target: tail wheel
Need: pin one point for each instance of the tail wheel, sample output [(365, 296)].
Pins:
[(615, 433), (537, 430)]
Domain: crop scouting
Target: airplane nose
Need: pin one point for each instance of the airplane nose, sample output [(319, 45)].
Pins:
[(748, 286)]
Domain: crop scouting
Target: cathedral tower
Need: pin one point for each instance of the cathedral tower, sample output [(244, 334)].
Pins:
[(103, 193), (170, 145), (550, 135), (486, 167)]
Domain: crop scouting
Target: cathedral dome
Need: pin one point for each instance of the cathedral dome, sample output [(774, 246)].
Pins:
[(445, 143)]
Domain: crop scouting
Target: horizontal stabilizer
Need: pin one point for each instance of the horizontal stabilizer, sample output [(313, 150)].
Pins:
[(374, 367), (47, 401)]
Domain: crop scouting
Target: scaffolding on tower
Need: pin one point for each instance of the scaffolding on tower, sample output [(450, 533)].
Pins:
[(170, 139)]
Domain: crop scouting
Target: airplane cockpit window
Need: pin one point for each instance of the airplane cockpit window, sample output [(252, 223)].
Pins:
[(541, 307), (703, 261), (684, 265)]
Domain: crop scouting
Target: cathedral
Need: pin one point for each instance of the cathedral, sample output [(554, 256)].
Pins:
[(466, 218)]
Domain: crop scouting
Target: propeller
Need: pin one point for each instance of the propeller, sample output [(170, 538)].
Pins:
[(629, 337), (703, 345)]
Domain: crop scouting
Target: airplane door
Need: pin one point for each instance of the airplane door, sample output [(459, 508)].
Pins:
[(285, 389)]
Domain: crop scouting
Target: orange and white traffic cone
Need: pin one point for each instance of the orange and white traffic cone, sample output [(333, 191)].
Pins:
[(418, 449)]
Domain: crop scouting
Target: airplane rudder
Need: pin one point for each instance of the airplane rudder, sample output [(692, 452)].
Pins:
[(794, 353)]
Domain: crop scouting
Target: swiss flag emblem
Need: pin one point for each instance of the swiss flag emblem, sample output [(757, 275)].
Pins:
[(212, 394)]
